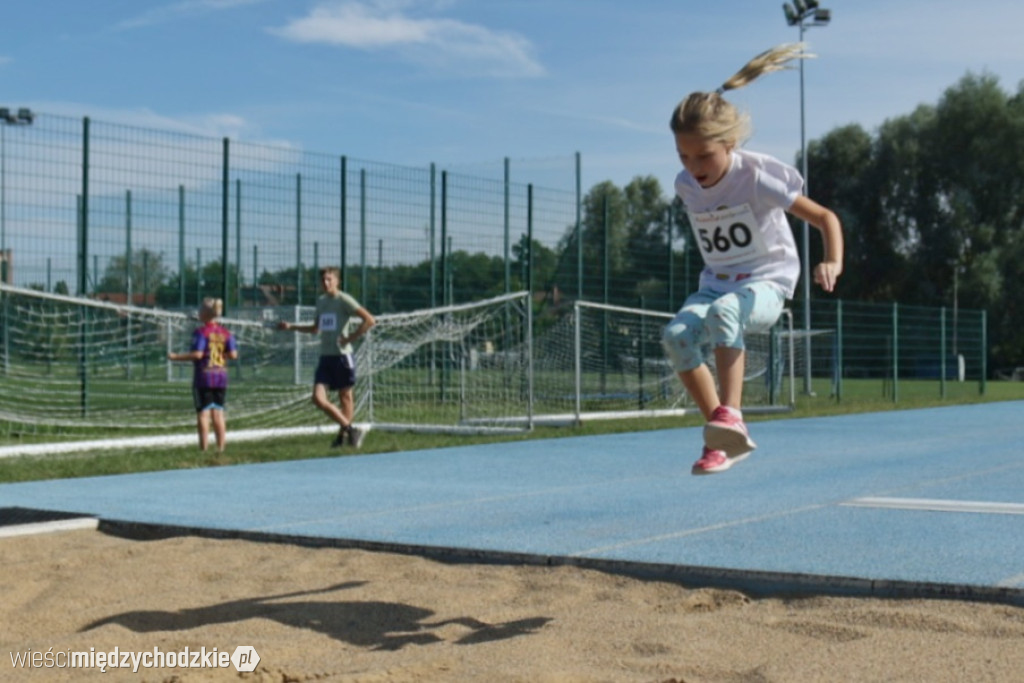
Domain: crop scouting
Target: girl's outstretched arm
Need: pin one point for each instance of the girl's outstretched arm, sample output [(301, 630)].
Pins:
[(828, 271)]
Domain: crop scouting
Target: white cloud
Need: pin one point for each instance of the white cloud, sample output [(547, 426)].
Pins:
[(355, 25), (5, 60), (446, 44)]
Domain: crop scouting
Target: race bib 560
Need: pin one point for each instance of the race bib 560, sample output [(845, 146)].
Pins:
[(728, 236)]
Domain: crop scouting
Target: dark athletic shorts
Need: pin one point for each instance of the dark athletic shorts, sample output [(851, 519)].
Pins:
[(336, 372), (207, 399)]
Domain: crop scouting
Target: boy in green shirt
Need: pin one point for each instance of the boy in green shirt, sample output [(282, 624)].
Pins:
[(336, 370)]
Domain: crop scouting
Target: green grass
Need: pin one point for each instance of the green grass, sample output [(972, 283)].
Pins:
[(858, 397)]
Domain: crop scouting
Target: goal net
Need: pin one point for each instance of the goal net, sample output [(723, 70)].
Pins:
[(78, 367), (460, 368)]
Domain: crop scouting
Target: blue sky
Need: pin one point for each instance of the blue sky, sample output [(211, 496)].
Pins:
[(466, 83)]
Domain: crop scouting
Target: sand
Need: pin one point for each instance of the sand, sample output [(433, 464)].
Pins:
[(323, 614)]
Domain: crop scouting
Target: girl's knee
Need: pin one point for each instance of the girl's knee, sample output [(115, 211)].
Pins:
[(682, 346), (726, 322)]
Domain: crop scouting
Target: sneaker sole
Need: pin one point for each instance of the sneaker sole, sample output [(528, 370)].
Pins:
[(729, 462), (711, 470), (732, 442)]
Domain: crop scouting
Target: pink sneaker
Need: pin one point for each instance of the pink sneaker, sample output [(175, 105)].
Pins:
[(726, 432), (712, 461)]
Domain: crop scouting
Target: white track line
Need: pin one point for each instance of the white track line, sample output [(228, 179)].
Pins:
[(938, 505)]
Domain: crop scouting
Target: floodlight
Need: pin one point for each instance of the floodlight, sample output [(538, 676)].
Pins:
[(822, 16), (7, 116), (26, 115), (791, 17), (801, 8)]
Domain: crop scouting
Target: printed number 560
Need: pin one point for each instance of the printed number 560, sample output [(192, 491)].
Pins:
[(738, 235)]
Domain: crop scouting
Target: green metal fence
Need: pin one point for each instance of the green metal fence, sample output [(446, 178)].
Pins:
[(894, 348), (113, 211), (163, 218)]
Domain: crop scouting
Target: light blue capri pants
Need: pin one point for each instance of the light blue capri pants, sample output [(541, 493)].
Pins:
[(710, 319)]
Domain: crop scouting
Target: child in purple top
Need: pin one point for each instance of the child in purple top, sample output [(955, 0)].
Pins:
[(212, 346)]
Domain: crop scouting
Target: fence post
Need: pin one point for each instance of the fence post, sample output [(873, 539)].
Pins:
[(839, 351), (895, 353), (83, 272), (362, 235), (577, 344), (255, 274), (181, 246), (444, 235), (579, 232), (942, 352), (507, 230), (343, 223), (238, 243), (984, 353), (225, 224), (432, 248), (604, 293), (529, 243), (641, 357), (298, 239), (128, 278), (669, 215)]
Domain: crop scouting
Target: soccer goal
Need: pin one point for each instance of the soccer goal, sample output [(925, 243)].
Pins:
[(75, 367), (80, 367), (459, 368)]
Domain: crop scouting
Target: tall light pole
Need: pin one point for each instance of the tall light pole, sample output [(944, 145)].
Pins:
[(805, 14)]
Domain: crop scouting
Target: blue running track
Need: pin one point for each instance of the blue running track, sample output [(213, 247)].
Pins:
[(919, 503)]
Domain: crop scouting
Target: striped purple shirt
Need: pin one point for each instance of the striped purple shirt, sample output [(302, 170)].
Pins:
[(216, 343)]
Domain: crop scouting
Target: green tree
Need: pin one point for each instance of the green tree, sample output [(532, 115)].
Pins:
[(848, 175), (648, 233), (146, 274)]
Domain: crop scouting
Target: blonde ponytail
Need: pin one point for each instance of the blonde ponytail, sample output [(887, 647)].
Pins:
[(775, 59), (710, 116)]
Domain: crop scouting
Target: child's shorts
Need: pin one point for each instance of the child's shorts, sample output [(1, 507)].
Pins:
[(336, 372), (715, 319), (207, 398)]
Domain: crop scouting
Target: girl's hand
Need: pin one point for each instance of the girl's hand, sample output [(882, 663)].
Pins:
[(826, 273)]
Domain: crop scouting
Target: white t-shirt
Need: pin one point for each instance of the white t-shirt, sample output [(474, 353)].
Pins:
[(740, 224)]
